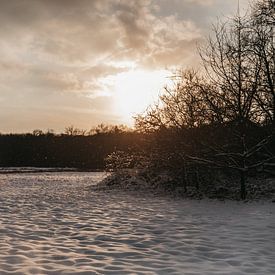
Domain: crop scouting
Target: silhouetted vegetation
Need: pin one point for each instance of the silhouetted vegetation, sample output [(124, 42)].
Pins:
[(74, 148), (221, 120)]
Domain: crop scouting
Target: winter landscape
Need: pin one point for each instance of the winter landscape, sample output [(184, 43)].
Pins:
[(52, 223), (137, 137)]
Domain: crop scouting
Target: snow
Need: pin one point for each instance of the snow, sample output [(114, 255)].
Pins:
[(54, 223), (5, 170)]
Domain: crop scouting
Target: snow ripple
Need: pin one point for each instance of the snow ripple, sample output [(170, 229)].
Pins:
[(51, 223)]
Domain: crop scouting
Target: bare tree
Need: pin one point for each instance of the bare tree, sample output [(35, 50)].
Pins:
[(227, 60), (74, 131), (108, 129), (262, 22), (188, 104), (232, 66), (37, 132)]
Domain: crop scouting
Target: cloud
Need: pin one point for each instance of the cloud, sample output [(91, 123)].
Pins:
[(89, 31), (201, 2), (60, 52)]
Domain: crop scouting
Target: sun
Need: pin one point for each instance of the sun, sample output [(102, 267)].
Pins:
[(135, 90)]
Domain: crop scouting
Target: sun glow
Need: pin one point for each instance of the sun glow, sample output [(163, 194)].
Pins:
[(135, 90)]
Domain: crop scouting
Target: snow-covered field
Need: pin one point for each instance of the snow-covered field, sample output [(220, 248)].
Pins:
[(52, 223)]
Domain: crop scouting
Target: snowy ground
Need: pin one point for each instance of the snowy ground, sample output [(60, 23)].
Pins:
[(52, 223), (6, 170)]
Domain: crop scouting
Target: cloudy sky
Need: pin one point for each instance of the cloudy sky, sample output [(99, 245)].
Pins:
[(83, 62)]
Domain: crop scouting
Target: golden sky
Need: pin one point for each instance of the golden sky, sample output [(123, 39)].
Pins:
[(84, 62)]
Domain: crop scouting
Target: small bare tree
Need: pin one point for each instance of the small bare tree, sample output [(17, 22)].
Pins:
[(74, 131)]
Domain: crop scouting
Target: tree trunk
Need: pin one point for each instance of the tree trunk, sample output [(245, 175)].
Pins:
[(184, 177), (243, 184), (273, 115), (197, 179)]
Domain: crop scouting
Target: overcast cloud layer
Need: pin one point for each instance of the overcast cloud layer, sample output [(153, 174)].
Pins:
[(55, 54)]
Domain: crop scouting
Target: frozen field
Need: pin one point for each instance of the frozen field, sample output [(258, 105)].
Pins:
[(50, 223)]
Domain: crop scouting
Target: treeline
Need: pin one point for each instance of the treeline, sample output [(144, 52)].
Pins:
[(221, 119), (73, 148)]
